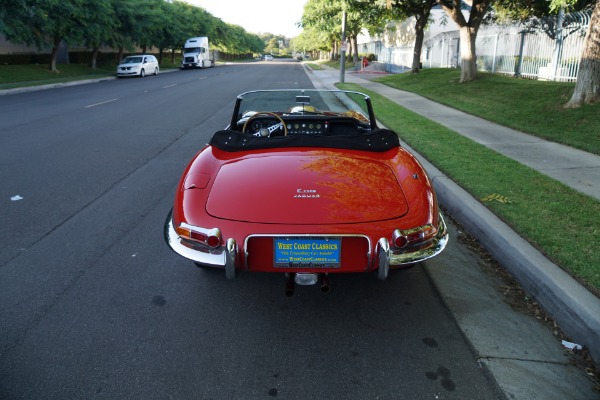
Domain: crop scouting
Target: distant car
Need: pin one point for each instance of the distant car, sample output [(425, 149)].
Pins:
[(305, 184), (140, 65), (268, 57)]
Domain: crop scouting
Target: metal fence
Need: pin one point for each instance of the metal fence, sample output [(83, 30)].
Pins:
[(548, 49), (394, 59)]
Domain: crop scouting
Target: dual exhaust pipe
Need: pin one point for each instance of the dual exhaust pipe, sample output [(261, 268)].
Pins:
[(306, 279)]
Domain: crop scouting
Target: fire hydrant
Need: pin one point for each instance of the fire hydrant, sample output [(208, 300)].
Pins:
[(365, 62)]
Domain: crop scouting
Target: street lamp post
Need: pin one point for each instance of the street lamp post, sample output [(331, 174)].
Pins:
[(343, 49)]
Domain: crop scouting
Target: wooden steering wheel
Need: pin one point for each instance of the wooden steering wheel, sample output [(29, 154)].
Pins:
[(271, 129)]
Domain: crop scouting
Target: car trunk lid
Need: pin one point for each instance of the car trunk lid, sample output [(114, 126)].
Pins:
[(312, 189)]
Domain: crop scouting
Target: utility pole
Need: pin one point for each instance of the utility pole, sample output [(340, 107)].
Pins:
[(343, 49)]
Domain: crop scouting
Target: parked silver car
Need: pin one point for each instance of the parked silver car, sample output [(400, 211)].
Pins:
[(139, 65)]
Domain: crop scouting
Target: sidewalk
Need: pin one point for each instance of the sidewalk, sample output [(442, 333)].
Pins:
[(525, 369)]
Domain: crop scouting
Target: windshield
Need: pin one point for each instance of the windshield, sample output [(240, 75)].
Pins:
[(193, 50), (132, 60), (307, 102)]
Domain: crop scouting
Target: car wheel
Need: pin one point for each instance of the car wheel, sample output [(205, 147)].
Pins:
[(142, 73), (155, 71)]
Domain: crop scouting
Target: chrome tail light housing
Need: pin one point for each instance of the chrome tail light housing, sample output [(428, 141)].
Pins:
[(209, 237)]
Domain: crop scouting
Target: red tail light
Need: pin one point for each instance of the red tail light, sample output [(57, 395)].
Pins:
[(414, 236), (400, 240), (214, 239), (209, 237)]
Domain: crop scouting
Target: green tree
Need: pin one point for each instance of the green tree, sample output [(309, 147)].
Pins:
[(164, 34), (274, 44), (14, 17), (149, 17), (324, 16), (310, 41), (521, 10), (42, 23), (402, 9), (324, 19), (121, 24), (125, 11), (355, 23), (100, 22)]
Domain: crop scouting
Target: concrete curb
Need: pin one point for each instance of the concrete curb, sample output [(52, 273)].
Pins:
[(576, 310), (4, 92)]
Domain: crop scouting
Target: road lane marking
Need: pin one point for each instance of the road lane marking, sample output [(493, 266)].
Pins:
[(102, 102), (168, 86)]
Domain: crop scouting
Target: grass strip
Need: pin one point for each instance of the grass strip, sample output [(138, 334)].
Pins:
[(315, 66), (15, 76), (561, 222), (531, 106), (37, 74)]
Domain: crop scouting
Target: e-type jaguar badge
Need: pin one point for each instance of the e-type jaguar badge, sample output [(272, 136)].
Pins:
[(306, 194)]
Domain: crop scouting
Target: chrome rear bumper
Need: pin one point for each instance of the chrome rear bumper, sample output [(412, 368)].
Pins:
[(400, 257), (195, 252), (225, 256)]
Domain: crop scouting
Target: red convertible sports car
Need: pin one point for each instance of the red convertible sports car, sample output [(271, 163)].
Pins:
[(304, 183)]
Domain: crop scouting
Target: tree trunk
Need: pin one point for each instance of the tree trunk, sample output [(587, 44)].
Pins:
[(355, 46), (95, 57), (350, 49), (334, 51), (468, 33), (421, 21), (54, 55), (587, 88), (468, 69)]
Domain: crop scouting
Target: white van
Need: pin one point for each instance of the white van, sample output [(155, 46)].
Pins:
[(140, 65)]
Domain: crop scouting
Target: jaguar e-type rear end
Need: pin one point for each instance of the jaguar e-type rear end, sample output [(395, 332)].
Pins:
[(305, 206), (306, 211)]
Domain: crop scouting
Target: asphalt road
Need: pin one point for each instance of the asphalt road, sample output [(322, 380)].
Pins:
[(95, 305)]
